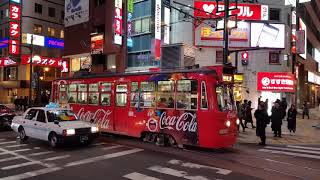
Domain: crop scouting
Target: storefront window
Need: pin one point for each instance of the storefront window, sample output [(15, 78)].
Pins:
[(10, 73)]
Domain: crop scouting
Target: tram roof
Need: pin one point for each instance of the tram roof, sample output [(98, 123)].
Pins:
[(205, 70)]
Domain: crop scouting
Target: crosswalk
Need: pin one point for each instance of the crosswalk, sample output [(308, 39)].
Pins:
[(178, 169), (295, 151), (17, 159)]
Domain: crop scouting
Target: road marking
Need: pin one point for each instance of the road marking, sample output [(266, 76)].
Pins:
[(176, 173), (294, 150), (4, 153), (41, 153), (18, 145), (56, 158), (9, 159), (112, 147), (21, 150), (104, 157), (8, 142), (138, 176), (198, 166), (19, 165), (2, 139), (302, 147), (290, 153), (32, 173), (98, 144)]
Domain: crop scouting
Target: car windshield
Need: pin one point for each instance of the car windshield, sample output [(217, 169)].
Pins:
[(61, 115)]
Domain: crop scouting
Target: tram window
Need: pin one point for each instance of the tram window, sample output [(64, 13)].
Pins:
[(105, 99), (82, 93), (147, 97), (224, 98), (165, 98), (93, 87), (134, 87), (63, 87), (134, 101), (72, 87), (93, 98), (204, 97), (105, 87), (72, 97), (121, 95), (63, 93), (187, 95)]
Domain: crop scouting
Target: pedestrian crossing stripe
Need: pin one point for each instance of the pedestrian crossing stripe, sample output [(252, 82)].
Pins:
[(296, 151)]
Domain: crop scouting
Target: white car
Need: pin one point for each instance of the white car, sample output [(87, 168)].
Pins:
[(55, 125)]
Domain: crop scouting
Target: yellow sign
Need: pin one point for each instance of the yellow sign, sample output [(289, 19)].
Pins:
[(238, 78), (236, 34), (227, 78)]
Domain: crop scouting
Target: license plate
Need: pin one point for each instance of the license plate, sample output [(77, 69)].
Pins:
[(84, 138)]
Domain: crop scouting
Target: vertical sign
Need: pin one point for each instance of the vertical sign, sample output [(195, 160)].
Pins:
[(157, 30), (303, 27), (166, 38), (118, 22), (129, 23), (14, 27)]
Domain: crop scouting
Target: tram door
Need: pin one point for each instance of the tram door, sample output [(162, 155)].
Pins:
[(121, 108)]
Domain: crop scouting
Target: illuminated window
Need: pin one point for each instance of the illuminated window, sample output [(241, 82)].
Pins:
[(165, 96), (63, 96), (147, 97), (121, 95), (62, 34), (51, 31), (135, 95), (37, 29), (187, 95), (72, 95), (82, 93)]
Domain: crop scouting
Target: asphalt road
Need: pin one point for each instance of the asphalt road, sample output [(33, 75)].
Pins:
[(114, 157)]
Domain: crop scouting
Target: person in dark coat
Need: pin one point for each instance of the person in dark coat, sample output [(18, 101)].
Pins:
[(262, 118), (292, 118), (240, 116), (276, 119), (248, 115), (305, 110)]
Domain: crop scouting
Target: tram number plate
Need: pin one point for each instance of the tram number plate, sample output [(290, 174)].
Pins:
[(84, 138)]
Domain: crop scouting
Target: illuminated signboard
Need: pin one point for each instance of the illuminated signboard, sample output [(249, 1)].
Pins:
[(266, 35), (206, 36), (118, 22), (44, 61), (7, 62), (303, 27), (97, 43), (15, 12), (53, 43), (130, 24), (4, 43), (14, 29), (157, 28), (14, 47), (313, 78), (276, 81), (76, 12), (15, 1), (208, 9)]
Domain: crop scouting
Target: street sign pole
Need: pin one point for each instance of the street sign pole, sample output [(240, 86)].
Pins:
[(226, 33), (30, 74)]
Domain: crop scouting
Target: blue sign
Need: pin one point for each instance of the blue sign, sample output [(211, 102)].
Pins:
[(4, 43), (54, 43), (129, 42)]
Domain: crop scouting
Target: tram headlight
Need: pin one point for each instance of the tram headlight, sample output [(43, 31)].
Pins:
[(238, 121), (228, 123)]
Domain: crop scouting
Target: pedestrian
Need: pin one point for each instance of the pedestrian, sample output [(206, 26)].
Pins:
[(276, 118), (284, 106), (305, 110), (248, 115), (262, 118), (240, 116), (292, 118), (16, 103), (25, 103), (20, 103)]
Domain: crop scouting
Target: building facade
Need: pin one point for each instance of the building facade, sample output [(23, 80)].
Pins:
[(41, 36)]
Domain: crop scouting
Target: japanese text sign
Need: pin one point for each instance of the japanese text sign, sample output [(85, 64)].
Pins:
[(208, 9), (14, 29), (118, 22), (42, 61), (14, 47), (276, 81), (15, 12)]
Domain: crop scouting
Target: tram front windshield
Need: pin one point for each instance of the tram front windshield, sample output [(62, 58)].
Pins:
[(225, 98)]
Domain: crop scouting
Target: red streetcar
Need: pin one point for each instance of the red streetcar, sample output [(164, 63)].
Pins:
[(183, 107)]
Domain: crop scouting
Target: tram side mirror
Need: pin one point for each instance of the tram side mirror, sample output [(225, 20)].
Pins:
[(56, 122), (91, 121)]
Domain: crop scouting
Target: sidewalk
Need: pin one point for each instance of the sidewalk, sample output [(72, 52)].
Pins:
[(305, 132)]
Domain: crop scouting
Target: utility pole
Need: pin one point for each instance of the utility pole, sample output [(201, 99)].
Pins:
[(226, 33), (295, 54)]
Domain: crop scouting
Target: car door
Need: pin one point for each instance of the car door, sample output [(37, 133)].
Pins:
[(40, 126), (28, 122)]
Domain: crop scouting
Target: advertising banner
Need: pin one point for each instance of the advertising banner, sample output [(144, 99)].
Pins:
[(208, 9), (303, 27), (157, 43), (97, 43), (14, 28), (76, 12), (42, 61), (206, 36), (118, 22), (14, 47), (53, 43), (276, 81), (266, 35), (7, 62), (313, 78)]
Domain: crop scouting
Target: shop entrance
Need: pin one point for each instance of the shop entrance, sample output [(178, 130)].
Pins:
[(272, 97)]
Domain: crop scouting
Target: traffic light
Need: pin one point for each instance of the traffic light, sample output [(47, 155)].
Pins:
[(245, 58)]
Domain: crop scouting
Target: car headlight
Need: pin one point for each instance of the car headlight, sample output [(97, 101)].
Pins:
[(228, 123), (70, 132), (238, 121), (94, 129)]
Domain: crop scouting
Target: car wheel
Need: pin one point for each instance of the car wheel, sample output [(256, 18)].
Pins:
[(22, 134), (53, 140)]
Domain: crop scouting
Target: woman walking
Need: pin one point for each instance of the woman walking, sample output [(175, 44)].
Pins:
[(262, 118), (292, 118)]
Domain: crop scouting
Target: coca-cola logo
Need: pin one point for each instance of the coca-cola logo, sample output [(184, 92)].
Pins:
[(100, 117), (186, 122)]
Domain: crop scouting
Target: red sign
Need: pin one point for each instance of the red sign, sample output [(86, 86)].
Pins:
[(208, 9), (97, 43), (276, 81), (15, 12), (14, 47), (42, 61), (14, 29), (7, 62)]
